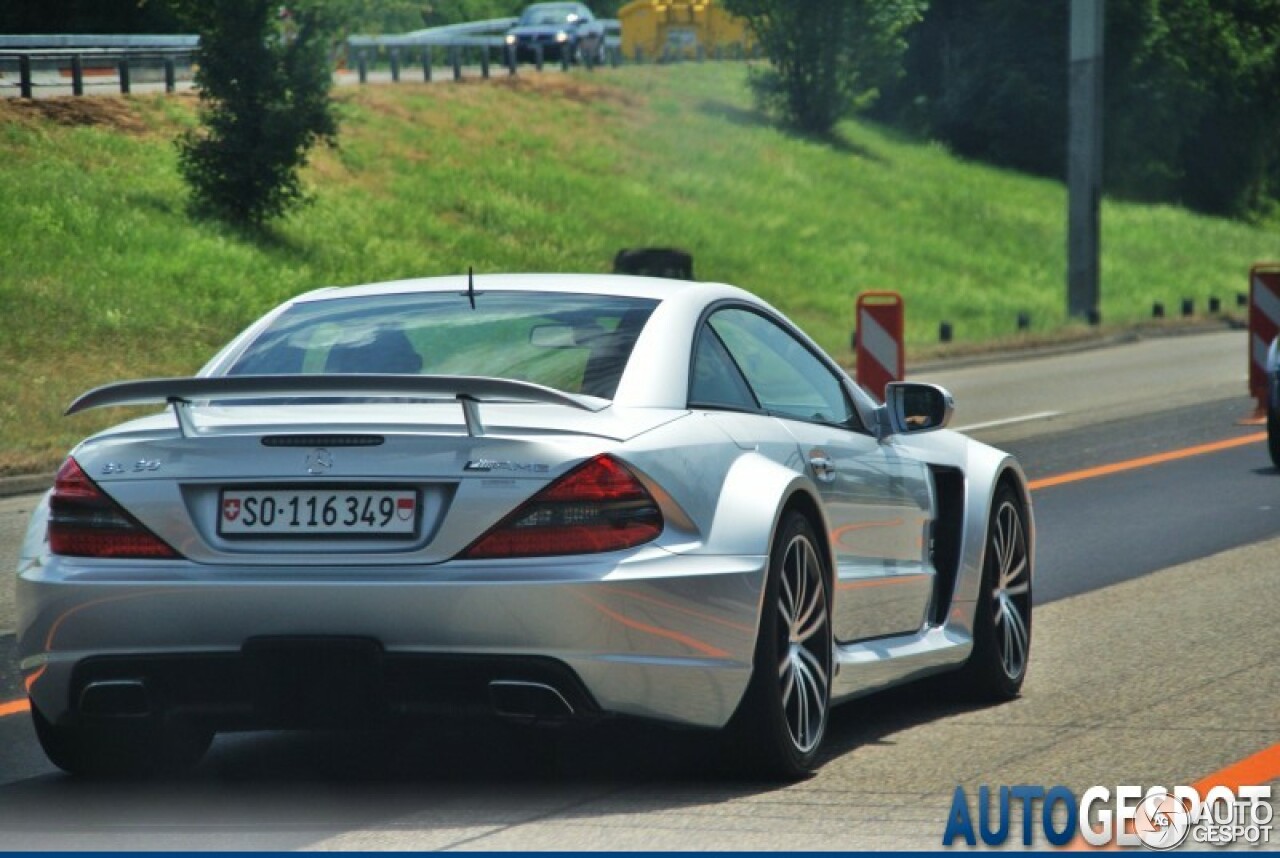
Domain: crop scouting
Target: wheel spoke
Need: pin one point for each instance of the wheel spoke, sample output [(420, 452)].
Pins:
[(1007, 649), (801, 727), (1013, 574), (1017, 589), (813, 698), (818, 673), (1011, 530), (815, 625), (1020, 640), (787, 604), (788, 680), (801, 588), (815, 602), (997, 543)]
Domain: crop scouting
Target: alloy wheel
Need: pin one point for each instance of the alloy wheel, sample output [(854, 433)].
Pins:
[(1011, 591), (804, 650)]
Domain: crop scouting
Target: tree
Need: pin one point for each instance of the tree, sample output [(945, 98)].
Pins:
[(264, 76), (1192, 107), (87, 16), (827, 57), (989, 77), (1190, 87)]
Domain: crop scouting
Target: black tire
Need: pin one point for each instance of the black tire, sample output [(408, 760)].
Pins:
[(129, 750), (1273, 434), (997, 666), (773, 733)]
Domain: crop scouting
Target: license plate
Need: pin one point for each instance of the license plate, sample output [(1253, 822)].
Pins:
[(318, 512)]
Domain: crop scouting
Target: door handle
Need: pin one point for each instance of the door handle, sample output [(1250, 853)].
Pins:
[(823, 468)]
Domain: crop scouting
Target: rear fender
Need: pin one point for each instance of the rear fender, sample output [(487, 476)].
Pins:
[(756, 492)]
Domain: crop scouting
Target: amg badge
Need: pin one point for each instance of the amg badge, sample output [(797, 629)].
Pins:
[(492, 465)]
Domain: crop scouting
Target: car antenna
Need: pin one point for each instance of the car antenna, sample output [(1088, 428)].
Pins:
[(471, 286)]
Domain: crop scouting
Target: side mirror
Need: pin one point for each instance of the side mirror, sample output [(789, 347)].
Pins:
[(913, 408)]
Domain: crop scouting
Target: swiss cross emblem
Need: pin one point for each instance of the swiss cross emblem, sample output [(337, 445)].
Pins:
[(231, 509)]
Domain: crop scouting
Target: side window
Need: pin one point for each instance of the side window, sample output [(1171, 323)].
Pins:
[(787, 378), (715, 381)]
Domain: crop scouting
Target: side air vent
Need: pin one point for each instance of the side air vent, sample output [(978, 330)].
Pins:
[(322, 440), (949, 484)]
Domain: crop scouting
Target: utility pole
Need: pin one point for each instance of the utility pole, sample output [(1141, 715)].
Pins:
[(1084, 160)]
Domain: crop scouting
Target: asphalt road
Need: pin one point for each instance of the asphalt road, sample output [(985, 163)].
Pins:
[(1033, 395), (1152, 663)]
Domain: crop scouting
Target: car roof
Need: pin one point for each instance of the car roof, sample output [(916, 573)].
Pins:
[(621, 285)]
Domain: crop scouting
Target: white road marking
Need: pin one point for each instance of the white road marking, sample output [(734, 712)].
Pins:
[(1007, 421)]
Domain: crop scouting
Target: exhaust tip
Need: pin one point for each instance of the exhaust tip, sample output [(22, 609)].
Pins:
[(116, 698), (521, 699)]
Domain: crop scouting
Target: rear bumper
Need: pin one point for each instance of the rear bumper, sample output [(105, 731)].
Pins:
[(648, 634)]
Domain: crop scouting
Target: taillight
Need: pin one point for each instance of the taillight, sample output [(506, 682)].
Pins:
[(84, 522), (598, 506)]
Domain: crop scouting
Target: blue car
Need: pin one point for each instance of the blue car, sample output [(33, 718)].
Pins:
[(562, 30)]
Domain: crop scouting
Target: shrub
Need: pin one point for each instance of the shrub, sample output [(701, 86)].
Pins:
[(264, 77)]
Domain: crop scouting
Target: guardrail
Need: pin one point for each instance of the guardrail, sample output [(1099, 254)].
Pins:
[(122, 61), (474, 42), (484, 43), (458, 51), (51, 60)]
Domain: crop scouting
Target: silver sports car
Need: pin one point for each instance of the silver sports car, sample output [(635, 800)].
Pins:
[(545, 497)]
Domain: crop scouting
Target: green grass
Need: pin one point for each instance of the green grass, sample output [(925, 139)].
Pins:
[(103, 276)]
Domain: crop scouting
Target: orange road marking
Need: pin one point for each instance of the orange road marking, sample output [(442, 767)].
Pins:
[(1261, 768), (1146, 461), (1256, 770), (14, 707)]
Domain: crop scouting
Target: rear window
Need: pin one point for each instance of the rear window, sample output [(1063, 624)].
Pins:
[(571, 342)]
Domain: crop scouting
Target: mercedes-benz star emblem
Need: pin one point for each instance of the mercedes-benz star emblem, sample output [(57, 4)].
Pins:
[(319, 461)]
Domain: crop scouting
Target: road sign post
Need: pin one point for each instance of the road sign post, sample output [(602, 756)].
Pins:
[(1084, 160), (878, 341), (1264, 326)]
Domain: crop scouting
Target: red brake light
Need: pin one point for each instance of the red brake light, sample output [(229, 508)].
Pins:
[(84, 522), (598, 506)]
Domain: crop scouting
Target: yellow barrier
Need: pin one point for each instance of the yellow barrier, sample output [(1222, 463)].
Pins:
[(656, 29)]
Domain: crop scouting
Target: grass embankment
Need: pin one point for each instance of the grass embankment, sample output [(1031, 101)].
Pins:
[(103, 276)]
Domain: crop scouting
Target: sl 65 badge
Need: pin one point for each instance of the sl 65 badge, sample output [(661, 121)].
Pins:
[(138, 467)]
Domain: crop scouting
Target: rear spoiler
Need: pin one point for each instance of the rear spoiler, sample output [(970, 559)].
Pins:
[(468, 390)]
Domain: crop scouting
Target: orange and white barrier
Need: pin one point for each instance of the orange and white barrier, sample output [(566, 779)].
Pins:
[(878, 344), (1264, 324)]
